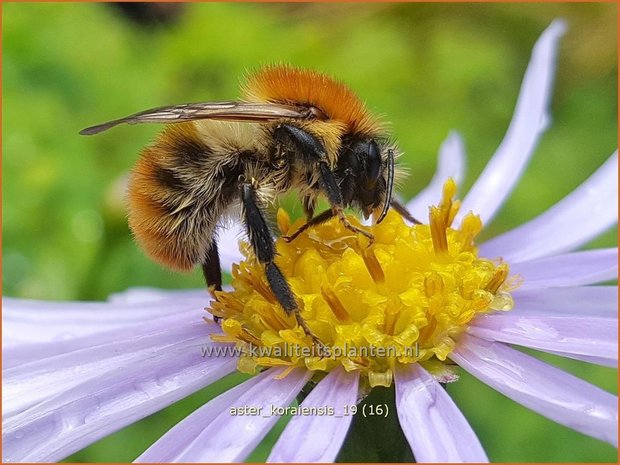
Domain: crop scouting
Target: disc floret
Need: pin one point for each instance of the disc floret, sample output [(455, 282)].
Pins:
[(404, 298)]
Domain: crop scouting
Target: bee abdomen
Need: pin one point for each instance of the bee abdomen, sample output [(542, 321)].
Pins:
[(174, 234), (169, 180), (167, 216), (186, 180)]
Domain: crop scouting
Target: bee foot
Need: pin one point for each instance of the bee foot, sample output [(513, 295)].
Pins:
[(292, 237), (322, 348), (212, 290), (357, 230)]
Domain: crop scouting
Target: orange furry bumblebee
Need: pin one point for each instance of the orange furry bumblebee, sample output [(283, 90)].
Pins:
[(294, 129)]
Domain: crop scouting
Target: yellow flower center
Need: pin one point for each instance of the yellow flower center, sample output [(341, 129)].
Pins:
[(403, 298)]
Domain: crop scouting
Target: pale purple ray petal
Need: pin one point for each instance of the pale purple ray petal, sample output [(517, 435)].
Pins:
[(581, 216), (47, 375), (151, 294), (530, 120), (214, 433), (318, 437), (451, 163), (436, 429), (21, 354), (596, 301), (541, 387), (572, 269), (65, 423), (228, 243), (586, 335), (31, 321), (585, 358)]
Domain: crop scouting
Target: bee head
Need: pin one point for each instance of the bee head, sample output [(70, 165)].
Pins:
[(366, 173)]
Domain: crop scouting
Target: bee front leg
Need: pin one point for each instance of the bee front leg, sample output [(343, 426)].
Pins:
[(328, 182), (264, 247), (314, 153)]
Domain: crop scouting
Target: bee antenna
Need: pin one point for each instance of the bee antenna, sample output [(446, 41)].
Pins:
[(390, 185)]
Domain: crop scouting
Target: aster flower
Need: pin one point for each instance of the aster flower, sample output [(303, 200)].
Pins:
[(425, 294)]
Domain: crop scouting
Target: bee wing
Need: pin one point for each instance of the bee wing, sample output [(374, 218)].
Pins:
[(231, 111)]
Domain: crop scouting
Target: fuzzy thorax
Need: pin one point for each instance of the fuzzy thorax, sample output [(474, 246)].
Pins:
[(287, 84), (404, 298)]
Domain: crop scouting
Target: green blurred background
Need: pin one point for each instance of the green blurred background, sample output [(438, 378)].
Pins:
[(429, 67)]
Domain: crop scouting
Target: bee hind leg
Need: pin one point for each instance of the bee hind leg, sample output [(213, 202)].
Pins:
[(265, 250), (212, 271)]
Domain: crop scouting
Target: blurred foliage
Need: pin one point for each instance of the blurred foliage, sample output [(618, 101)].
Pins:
[(429, 67)]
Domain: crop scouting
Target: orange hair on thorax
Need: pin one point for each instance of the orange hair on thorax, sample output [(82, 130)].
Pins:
[(289, 85)]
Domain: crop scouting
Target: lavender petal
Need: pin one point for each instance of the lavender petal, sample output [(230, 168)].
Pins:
[(451, 163), (436, 429), (48, 375), (24, 353), (318, 438), (540, 387), (595, 301), (213, 434), (31, 321), (585, 336), (228, 244), (70, 420), (572, 269), (555, 231), (136, 295), (530, 120), (585, 358)]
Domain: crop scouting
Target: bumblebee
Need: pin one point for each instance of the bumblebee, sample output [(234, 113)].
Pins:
[(294, 129)]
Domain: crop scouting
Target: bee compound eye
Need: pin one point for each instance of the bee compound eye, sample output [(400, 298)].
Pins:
[(373, 164)]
